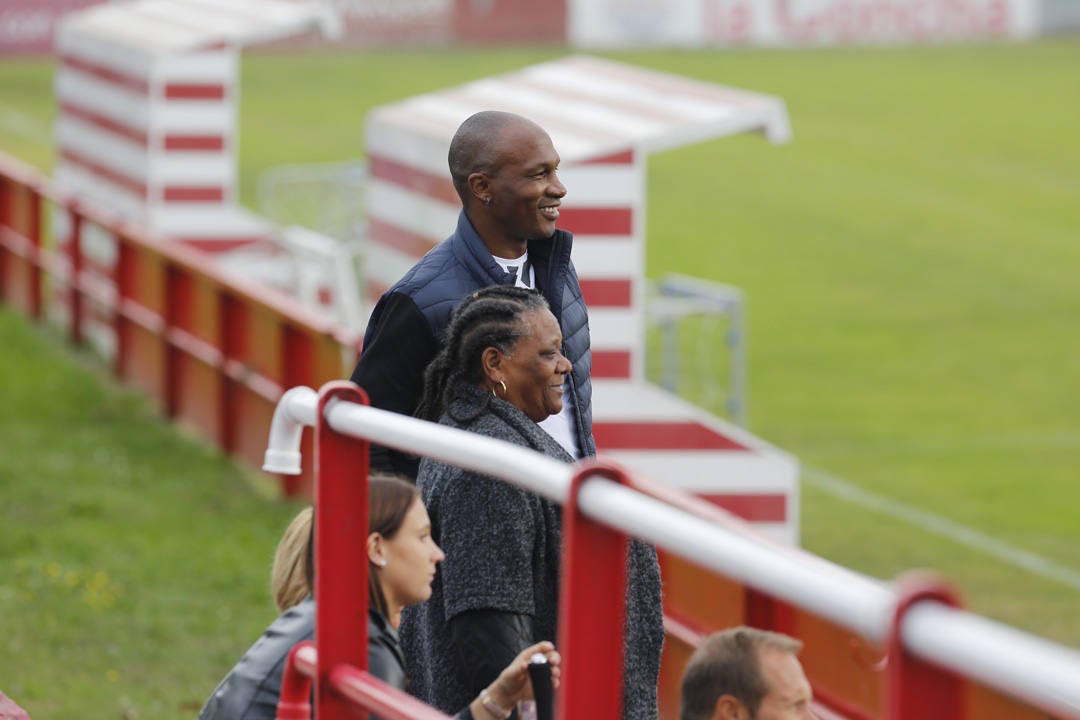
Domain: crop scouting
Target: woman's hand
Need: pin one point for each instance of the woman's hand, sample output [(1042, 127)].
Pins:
[(513, 682)]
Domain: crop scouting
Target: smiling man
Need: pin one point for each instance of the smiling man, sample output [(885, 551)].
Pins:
[(746, 674), (504, 169)]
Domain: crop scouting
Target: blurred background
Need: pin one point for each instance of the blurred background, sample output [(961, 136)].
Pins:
[(903, 323)]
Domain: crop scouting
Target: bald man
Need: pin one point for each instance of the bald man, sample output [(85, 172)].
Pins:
[(504, 169), (746, 674)]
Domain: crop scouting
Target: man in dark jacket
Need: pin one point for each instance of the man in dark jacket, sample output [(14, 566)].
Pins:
[(504, 169)]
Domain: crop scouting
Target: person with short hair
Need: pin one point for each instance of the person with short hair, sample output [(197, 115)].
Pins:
[(505, 170), (499, 374), (746, 674)]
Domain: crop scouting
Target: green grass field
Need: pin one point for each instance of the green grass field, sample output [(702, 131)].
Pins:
[(910, 261), (134, 563)]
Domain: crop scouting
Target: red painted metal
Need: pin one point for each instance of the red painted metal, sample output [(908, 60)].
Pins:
[(761, 609), (610, 363), (436, 186), (133, 133), (918, 689), (644, 435), (20, 245), (297, 353), (597, 221), (692, 504), (837, 706), (195, 91), (193, 193), (341, 527), (124, 281), (193, 143), (386, 701), (606, 292), (133, 185), (177, 295), (624, 157), (75, 257), (172, 349), (509, 21), (756, 507), (592, 605), (294, 702), (110, 125), (396, 238), (222, 243), (232, 317), (7, 193), (33, 234), (110, 75), (683, 631)]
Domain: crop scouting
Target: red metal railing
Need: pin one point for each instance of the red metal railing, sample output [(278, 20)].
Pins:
[(592, 603), (213, 351), (361, 688), (911, 651)]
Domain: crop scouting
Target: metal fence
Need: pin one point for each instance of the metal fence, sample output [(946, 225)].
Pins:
[(941, 662)]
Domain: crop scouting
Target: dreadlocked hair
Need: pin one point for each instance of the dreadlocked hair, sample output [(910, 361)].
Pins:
[(491, 317)]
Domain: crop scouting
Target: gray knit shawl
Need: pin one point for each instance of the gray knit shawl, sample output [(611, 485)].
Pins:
[(503, 549)]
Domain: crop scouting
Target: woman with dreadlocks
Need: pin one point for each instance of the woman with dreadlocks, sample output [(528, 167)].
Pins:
[(501, 372)]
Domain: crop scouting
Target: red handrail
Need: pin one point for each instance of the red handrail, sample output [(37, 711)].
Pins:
[(294, 702)]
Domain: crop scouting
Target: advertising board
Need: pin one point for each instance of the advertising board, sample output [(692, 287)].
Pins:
[(397, 23), (27, 26), (795, 23)]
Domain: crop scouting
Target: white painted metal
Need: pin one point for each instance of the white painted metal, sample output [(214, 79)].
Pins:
[(528, 469), (1024, 666), (296, 408), (848, 599)]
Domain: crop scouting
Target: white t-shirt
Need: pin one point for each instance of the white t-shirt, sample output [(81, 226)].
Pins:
[(526, 279), (561, 426)]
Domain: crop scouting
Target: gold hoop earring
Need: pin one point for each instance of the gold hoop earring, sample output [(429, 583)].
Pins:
[(503, 383)]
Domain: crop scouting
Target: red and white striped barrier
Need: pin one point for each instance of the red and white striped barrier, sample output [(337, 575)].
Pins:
[(146, 97), (664, 437)]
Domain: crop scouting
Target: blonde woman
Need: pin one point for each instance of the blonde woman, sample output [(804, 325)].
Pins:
[(402, 557), (290, 580)]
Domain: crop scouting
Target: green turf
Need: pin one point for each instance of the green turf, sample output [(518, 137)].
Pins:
[(909, 260), (26, 110), (134, 563)]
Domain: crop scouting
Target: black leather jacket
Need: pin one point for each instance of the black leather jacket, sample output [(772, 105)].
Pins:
[(251, 689), (385, 660)]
